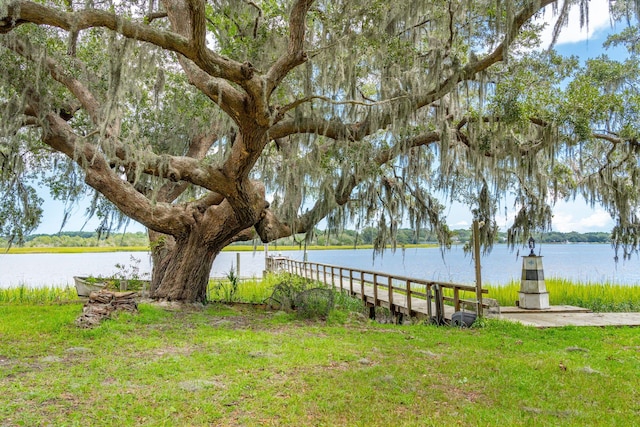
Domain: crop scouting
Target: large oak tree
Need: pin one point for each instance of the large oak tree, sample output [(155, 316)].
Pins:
[(213, 122)]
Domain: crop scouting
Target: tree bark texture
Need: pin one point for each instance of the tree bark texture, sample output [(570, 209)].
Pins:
[(182, 273)]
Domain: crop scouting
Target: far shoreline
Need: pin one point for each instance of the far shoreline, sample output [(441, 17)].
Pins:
[(238, 248), (233, 248)]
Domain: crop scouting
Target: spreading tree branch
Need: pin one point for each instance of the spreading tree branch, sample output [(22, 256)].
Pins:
[(20, 12), (295, 54), (77, 88), (161, 217)]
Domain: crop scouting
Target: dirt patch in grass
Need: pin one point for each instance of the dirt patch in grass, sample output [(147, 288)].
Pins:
[(234, 322), (170, 351)]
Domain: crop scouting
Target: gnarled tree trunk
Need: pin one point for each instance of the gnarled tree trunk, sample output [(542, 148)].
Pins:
[(183, 272), (182, 263)]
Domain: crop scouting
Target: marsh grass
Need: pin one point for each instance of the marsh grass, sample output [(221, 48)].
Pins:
[(254, 290), (242, 366), (599, 297), (36, 295), (75, 250)]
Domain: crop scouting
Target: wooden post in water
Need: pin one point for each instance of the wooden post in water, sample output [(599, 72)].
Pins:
[(476, 256), (238, 265)]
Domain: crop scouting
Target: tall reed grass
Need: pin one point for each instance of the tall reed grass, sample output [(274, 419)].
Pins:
[(41, 295), (231, 289), (598, 297)]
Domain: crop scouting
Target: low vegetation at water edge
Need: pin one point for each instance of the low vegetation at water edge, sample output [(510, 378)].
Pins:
[(37, 295), (599, 297)]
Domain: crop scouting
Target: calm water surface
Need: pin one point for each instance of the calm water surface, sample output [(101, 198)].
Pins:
[(578, 262)]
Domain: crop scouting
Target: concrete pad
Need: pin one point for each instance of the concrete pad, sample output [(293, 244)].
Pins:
[(551, 309), (559, 319)]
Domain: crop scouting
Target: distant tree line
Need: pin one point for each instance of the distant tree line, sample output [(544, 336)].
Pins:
[(407, 236), (83, 239), (321, 238), (464, 235), (365, 236)]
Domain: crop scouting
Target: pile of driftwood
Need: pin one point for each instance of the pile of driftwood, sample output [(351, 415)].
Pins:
[(103, 303)]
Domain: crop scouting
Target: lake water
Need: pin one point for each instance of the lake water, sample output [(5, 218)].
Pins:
[(578, 262)]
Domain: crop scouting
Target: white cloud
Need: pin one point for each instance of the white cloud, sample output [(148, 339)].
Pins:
[(599, 20), (572, 218), (568, 216)]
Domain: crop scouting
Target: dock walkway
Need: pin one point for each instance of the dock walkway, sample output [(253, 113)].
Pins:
[(402, 296), (411, 297)]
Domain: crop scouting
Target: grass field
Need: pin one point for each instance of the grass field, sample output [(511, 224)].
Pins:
[(227, 366)]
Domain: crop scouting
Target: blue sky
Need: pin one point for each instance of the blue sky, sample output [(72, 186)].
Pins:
[(568, 216)]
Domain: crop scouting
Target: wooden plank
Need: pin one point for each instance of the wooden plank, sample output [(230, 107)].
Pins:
[(351, 281)]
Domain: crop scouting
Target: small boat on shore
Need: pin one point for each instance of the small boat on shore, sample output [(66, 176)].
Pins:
[(85, 285)]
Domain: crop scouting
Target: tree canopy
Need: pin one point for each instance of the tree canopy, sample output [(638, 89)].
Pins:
[(213, 122)]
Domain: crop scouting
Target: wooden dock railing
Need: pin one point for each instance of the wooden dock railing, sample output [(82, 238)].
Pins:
[(400, 294)]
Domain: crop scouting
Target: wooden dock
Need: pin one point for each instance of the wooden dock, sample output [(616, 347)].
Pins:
[(404, 296), (399, 305)]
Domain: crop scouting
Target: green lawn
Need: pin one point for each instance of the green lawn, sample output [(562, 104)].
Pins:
[(243, 366)]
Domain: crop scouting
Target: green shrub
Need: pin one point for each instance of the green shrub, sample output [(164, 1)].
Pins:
[(314, 303), (227, 291), (304, 296)]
